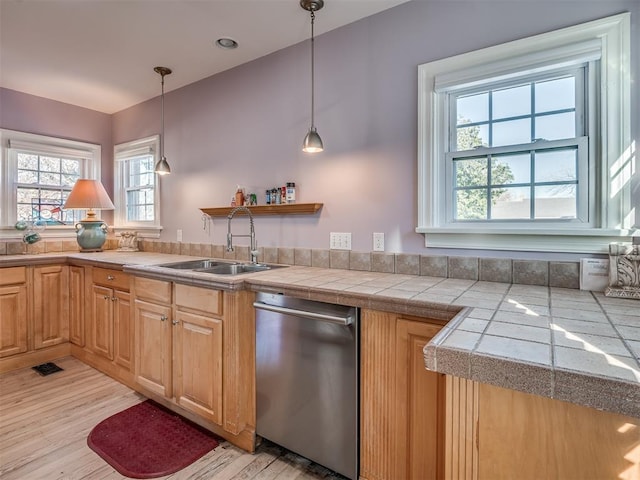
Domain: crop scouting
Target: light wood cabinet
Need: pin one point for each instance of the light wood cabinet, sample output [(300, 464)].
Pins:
[(50, 305), (498, 434), (13, 311), (180, 349), (402, 416), (76, 305), (101, 320), (110, 333), (420, 402), (154, 335), (198, 351), (195, 352), (123, 333)]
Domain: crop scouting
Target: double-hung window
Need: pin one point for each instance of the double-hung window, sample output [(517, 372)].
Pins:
[(518, 150), (38, 173), (136, 187), (525, 145)]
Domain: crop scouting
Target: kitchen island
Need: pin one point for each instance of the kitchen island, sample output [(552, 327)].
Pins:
[(547, 343)]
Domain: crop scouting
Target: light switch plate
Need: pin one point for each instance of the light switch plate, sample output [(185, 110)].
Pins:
[(340, 241)]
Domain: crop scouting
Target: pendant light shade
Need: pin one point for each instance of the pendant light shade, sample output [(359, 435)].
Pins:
[(162, 167), (312, 142)]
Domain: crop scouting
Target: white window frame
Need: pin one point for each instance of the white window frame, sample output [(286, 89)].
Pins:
[(610, 148), (10, 142), (123, 152)]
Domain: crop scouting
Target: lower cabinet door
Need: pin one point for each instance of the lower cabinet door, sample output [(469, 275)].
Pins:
[(50, 305), (101, 331), (123, 335), (198, 365), (13, 320), (153, 364), (420, 398)]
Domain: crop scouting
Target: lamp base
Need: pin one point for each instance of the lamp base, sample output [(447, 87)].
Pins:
[(91, 235)]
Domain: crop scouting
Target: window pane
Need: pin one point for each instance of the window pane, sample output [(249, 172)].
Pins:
[(511, 132), (49, 164), (68, 180), (26, 194), (472, 137), (473, 108), (556, 127), (470, 173), (49, 178), (471, 204), (511, 203), (70, 166), (24, 212), (27, 176), (512, 102), (556, 166), (506, 169), (27, 161), (556, 94), (148, 213), (556, 201)]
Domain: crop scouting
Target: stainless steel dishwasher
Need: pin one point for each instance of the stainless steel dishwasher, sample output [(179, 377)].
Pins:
[(307, 356)]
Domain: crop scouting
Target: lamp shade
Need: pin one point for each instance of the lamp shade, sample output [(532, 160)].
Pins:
[(90, 195)]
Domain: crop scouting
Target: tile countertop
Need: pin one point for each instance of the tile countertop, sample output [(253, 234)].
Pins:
[(571, 345)]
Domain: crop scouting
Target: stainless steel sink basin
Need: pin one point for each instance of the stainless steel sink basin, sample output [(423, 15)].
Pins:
[(219, 267), (195, 264), (235, 268)]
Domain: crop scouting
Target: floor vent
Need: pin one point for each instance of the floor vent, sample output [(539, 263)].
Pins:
[(47, 368)]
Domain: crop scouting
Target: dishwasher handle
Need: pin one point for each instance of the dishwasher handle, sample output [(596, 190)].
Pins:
[(339, 320)]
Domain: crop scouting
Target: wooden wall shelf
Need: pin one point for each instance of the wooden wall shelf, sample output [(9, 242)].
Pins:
[(284, 209)]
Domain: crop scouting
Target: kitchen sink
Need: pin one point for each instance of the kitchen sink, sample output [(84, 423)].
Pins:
[(235, 268), (195, 264), (218, 267)]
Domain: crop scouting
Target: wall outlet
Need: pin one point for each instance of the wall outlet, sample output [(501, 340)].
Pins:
[(340, 241), (179, 235), (378, 242)]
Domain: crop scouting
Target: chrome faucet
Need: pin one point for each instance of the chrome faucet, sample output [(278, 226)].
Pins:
[(253, 248)]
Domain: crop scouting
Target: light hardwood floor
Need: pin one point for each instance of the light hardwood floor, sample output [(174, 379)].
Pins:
[(44, 423)]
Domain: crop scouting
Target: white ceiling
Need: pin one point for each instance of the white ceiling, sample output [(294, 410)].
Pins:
[(100, 54)]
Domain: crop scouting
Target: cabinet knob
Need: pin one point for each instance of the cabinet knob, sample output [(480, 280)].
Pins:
[(163, 318), (110, 277), (175, 322), (107, 297), (113, 299)]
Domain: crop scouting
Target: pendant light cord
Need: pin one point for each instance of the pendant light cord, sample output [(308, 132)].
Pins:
[(313, 18), (162, 119)]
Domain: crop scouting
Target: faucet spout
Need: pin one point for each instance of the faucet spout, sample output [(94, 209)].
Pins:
[(252, 233)]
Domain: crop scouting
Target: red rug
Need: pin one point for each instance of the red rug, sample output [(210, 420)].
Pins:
[(148, 441)]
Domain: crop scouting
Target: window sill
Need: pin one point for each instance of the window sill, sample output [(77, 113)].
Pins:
[(544, 240)]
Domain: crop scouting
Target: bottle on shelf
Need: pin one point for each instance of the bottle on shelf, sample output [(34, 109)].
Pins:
[(239, 196), (291, 192)]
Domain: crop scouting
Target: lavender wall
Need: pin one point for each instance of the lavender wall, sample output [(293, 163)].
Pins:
[(245, 126), (31, 114)]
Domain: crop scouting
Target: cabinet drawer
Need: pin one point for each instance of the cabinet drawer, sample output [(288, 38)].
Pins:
[(111, 278), (197, 298), (13, 275), (154, 290)]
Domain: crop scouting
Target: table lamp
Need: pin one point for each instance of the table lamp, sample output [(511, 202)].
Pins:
[(89, 195)]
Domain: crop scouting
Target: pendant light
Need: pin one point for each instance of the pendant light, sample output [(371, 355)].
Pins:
[(312, 142), (162, 167)]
